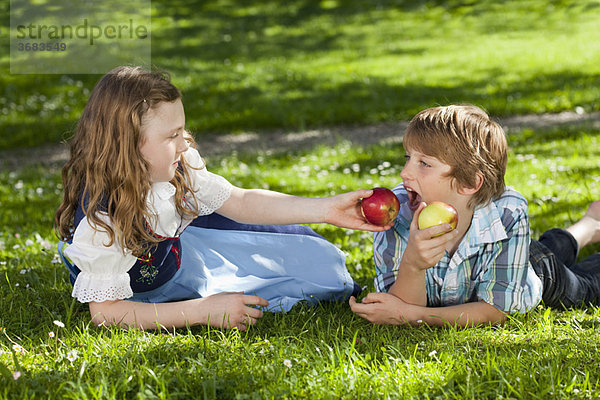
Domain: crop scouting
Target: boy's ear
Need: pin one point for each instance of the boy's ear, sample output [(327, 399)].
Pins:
[(472, 190)]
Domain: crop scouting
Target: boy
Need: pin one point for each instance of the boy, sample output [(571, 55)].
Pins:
[(487, 267)]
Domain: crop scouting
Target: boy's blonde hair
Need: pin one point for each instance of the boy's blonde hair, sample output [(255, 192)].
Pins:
[(464, 137)]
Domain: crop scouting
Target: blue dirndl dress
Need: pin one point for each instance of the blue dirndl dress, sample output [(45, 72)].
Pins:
[(284, 264)]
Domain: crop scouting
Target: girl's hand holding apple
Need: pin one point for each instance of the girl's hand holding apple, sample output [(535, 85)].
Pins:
[(344, 210), (381, 208)]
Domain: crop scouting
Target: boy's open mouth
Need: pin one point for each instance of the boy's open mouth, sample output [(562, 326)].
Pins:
[(414, 198)]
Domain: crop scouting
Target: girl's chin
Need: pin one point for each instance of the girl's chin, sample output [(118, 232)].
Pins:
[(158, 179)]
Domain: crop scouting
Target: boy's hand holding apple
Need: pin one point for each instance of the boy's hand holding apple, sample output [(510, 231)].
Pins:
[(429, 235), (437, 213)]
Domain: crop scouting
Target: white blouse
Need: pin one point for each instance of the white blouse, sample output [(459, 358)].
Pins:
[(104, 268)]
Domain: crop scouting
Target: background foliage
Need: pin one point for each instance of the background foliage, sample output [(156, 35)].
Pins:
[(251, 65)]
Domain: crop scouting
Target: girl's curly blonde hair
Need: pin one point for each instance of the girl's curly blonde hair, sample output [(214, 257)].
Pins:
[(106, 172)]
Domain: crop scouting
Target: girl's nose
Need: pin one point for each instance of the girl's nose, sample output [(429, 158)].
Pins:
[(183, 145)]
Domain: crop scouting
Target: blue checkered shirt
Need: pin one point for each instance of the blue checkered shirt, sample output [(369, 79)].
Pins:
[(491, 263)]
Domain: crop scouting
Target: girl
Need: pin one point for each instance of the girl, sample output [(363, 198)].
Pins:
[(135, 182)]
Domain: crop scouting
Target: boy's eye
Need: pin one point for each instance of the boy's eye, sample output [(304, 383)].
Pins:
[(423, 163), (406, 157)]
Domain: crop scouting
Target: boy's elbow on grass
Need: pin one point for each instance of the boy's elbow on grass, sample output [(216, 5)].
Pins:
[(469, 314), (485, 314), (488, 314)]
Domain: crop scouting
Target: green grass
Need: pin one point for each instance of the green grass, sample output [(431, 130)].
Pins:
[(255, 65), (320, 352)]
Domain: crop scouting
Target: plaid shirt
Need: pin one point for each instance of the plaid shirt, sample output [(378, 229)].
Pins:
[(491, 263)]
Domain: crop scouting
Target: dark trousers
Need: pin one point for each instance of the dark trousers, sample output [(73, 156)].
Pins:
[(566, 283)]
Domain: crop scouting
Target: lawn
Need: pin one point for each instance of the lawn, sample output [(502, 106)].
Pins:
[(255, 65), (262, 65), (320, 352)]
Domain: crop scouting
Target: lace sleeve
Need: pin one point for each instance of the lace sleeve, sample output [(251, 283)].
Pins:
[(103, 268), (211, 190)]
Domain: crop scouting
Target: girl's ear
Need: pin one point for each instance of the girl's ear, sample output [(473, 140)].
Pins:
[(472, 190)]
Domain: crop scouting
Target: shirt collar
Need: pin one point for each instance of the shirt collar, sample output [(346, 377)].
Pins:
[(164, 190), (486, 226)]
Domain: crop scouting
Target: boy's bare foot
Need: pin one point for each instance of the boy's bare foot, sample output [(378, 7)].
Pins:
[(587, 229)]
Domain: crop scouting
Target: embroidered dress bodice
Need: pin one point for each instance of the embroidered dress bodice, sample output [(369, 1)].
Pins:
[(109, 273)]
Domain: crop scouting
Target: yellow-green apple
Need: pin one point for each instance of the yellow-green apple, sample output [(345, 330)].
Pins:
[(437, 213), (381, 208)]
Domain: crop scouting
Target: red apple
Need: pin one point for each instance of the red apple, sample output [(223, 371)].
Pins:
[(437, 213), (381, 208)]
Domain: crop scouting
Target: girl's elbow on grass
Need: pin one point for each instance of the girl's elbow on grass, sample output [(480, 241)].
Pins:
[(97, 314), (101, 313)]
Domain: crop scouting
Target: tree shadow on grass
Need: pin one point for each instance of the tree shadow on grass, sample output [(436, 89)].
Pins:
[(254, 16), (242, 33), (316, 101), (29, 199), (221, 99), (41, 109), (537, 140)]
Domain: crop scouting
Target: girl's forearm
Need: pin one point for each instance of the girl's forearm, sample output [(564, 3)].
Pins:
[(127, 314), (256, 206)]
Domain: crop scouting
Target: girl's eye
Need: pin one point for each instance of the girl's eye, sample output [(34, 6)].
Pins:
[(406, 157), (423, 163)]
